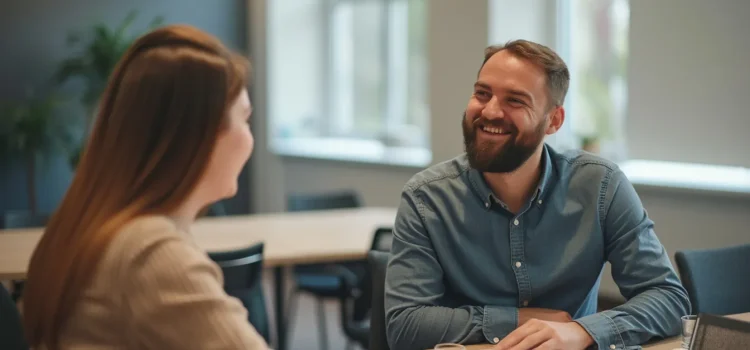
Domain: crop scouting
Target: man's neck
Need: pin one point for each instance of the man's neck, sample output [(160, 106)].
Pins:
[(515, 188)]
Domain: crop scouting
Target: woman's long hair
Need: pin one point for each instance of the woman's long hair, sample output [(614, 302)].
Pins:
[(159, 118)]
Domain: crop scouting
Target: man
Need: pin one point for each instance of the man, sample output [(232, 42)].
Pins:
[(506, 243)]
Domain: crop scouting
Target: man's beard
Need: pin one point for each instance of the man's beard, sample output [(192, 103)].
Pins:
[(509, 157)]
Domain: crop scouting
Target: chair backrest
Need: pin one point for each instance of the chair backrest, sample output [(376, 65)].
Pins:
[(381, 242), (11, 329), (714, 279), (382, 239), (714, 332), (323, 201), (243, 273), (378, 263)]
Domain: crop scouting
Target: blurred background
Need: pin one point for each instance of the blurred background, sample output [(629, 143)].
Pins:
[(362, 94)]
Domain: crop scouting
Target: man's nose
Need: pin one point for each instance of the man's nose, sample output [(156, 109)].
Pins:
[(493, 110)]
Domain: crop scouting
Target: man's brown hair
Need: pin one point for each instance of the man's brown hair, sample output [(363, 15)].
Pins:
[(558, 76)]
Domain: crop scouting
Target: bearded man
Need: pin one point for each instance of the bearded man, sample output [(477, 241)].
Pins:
[(506, 243)]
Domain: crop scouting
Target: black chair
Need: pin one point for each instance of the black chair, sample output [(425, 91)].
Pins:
[(716, 280), (353, 289), (243, 272), (323, 281), (378, 264), (714, 332), (11, 329)]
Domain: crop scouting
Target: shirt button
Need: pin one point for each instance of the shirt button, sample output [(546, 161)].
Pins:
[(495, 340), (518, 264), (613, 347), (515, 222), (539, 201), (487, 205)]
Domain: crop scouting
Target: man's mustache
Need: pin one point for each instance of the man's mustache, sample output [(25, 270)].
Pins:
[(480, 121)]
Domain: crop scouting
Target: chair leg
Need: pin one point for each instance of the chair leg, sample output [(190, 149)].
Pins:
[(322, 327), (291, 313)]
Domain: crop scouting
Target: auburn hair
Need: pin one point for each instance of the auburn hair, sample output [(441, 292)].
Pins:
[(158, 120)]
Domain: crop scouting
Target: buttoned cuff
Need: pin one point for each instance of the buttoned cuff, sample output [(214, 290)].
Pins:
[(498, 322), (604, 331)]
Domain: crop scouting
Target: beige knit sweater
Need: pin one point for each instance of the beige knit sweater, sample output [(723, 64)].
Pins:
[(156, 289)]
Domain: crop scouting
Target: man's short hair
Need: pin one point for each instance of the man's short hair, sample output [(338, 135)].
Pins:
[(558, 76)]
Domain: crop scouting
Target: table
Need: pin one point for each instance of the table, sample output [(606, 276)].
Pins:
[(289, 239), (668, 344)]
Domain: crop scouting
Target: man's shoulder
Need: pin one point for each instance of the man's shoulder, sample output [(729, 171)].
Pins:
[(446, 171), (577, 163)]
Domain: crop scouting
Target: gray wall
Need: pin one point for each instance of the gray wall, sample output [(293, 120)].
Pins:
[(33, 42), (690, 81), (458, 34)]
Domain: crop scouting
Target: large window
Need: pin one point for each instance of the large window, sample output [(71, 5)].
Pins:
[(348, 80), (593, 39)]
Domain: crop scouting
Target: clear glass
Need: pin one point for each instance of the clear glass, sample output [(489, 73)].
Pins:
[(449, 346), (688, 325)]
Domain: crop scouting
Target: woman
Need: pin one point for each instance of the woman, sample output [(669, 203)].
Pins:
[(116, 267)]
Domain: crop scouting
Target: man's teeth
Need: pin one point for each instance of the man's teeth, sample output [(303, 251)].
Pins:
[(493, 130)]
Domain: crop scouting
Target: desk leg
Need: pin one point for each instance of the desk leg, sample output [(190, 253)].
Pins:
[(280, 314)]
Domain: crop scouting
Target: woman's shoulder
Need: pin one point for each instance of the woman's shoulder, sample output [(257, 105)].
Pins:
[(146, 231), (145, 235)]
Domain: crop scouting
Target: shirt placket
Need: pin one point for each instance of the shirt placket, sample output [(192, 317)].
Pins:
[(518, 259)]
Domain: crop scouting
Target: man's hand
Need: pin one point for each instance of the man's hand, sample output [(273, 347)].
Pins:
[(546, 335), (526, 314)]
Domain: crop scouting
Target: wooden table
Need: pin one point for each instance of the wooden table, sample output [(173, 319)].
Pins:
[(668, 344), (289, 239)]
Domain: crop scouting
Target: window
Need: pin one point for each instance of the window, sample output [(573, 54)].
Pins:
[(592, 37), (348, 80), (593, 40)]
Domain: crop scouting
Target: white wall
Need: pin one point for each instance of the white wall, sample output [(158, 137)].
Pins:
[(458, 35), (689, 81)]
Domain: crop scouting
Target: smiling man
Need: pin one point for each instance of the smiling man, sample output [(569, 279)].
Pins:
[(506, 243)]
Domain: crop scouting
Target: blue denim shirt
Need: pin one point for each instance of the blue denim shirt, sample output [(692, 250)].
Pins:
[(462, 265)]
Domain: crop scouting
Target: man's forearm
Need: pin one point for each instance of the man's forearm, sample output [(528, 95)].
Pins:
[(421, 327), (654, 313)]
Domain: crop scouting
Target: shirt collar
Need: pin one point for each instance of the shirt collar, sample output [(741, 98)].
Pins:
[(479, 184)]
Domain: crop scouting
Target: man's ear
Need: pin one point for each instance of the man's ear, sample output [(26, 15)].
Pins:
[(556, 119)]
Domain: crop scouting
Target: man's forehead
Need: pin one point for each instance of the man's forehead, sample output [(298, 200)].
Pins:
[(504, 66)]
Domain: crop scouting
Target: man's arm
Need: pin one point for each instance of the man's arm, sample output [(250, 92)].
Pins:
[(643, 272), (414, 288)]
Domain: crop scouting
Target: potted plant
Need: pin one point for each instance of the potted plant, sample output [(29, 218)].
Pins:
[(32, 128), (100, 48)]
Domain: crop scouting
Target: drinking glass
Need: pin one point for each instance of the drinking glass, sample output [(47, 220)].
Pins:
[(688, 325)]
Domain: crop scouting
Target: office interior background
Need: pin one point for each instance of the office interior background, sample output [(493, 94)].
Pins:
[(361, 95)]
